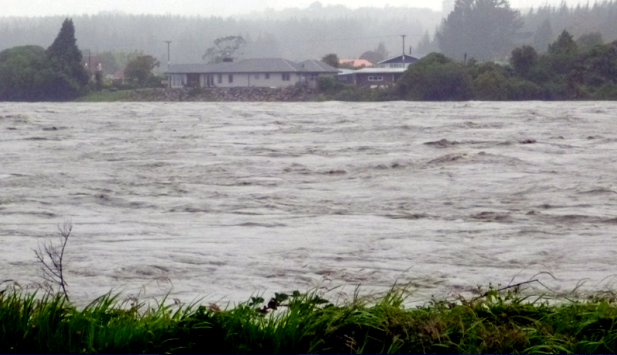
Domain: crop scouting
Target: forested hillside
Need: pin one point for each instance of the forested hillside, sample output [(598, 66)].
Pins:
[(294, 34), (466, 31)]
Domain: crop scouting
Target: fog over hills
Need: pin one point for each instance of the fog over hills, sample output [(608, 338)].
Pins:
[(294, 33), (213, 8), (297, 33)]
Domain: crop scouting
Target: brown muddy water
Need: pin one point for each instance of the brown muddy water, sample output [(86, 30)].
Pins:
[(226, 200)]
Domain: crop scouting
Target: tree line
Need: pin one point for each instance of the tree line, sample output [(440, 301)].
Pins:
[(32, 73), (490, 29), (296, 34), (582, 69)]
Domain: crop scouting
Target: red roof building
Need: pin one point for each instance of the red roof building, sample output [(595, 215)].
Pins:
[(356, 62)]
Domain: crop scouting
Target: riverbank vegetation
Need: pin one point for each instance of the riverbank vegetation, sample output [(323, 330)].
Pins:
[(31, 73), (582, 69), (106, 95), (497, 321)]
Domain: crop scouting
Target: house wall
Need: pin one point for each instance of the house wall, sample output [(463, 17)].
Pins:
[(387, 79), (252, 80), (177, 81), (395, 65), (244, 80), (346, 78)]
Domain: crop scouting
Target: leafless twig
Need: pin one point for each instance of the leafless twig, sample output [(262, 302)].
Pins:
[(51, 256)]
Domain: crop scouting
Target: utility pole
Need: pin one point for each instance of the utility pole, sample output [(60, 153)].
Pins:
[(168, 55), (403, 49)]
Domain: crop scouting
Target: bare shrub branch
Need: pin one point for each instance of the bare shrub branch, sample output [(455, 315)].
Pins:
[(51, 256)]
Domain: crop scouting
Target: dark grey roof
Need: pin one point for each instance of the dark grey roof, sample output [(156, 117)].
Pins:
[(315, 66), (399, 59), (256, 65), (190, 68)]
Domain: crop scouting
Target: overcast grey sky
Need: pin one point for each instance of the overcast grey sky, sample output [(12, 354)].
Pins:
[(200, 7)]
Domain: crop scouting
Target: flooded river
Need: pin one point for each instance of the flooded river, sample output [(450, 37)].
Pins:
[(226, 200)]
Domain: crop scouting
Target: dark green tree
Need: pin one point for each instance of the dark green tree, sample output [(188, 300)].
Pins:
[(139, 69), (523, 59), (331, 59), (482, 29), (564, 45), (25, 73), (601, 65), (436, 78), (65, 59), (562, 55)]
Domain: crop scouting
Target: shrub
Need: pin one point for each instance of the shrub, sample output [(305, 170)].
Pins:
[(329, 85), (523, 59), (491, 86), (607, 91), (436, 78)]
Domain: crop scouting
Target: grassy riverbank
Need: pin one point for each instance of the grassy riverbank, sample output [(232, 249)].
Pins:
[(497, 322), (105, 96)]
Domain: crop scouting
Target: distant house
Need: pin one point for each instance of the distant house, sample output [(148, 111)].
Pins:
[(385, 73), (402, 61), (258, 72), (371, 76)]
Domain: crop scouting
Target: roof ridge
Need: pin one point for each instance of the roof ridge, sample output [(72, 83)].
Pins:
[(287, 61)]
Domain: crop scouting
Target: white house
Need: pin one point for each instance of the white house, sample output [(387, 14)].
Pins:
[(258, 72)]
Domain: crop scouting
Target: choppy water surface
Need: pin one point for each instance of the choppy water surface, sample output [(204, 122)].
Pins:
[(225, 200)]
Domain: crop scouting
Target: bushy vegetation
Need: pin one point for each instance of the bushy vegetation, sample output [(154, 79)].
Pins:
[(436, 78), (498, 321), (30, 73), (139, 73), (582, 69), (330, 89)]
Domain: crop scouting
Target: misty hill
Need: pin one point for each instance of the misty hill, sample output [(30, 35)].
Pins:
[(295, 34), (578, 20)]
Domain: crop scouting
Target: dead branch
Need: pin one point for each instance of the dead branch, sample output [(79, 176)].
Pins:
[(51, 257)]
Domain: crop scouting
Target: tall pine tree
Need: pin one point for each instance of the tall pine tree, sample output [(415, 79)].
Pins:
[(65, 59)]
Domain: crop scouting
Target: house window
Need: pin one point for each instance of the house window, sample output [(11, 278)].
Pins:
[(375, 78), (220, 78), (256, 76), (267, 76), (286, 77), (231, 78)]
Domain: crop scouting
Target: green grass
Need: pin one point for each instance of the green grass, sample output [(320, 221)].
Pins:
[(105, 96), (498, 322)]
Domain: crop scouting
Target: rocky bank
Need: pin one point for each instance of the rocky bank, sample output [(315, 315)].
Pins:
[(292, 94)]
